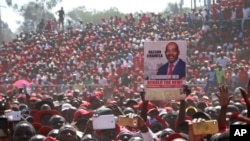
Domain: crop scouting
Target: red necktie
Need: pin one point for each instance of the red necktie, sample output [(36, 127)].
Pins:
[(170, 70)]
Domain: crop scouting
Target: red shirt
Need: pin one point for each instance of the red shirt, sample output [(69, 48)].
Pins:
[(243, 76)]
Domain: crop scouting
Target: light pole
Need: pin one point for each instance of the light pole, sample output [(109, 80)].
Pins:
[(1, 25)]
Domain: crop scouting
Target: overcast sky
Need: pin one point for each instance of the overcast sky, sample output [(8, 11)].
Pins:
[(125, 6)]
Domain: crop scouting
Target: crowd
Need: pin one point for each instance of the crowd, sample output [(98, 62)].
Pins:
[(79, 73)]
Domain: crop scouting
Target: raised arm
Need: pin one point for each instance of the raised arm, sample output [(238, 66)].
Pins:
[(246, 95), (182, 112), (224, 100)]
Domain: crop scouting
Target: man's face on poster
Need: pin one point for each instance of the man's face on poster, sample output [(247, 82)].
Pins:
[(172, 52)]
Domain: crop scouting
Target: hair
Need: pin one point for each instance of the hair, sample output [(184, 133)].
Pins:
[(24, 122), (174, 44)]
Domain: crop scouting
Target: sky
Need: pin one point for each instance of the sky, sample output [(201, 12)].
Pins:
[(124, 6)]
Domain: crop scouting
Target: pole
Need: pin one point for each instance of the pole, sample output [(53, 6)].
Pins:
[(1, 36), (195, 4), (191, 4)]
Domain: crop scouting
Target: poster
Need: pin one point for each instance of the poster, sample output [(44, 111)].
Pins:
[(164, 69)]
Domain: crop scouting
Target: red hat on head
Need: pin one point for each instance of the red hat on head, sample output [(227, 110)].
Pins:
[(44, 130), (139, 105), (111, 102), (49, 138), (83, 112), (38, 115), (70, 94), (37, 125), (168, 109), (116, 91), (85, 104), (174, 136), (153, 110)]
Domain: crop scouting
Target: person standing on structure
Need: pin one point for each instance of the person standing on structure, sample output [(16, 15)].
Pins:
[(61, 15)]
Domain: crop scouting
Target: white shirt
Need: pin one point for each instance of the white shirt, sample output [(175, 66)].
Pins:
[(103, 81), (233, 14), (246, 12), (222, 61)]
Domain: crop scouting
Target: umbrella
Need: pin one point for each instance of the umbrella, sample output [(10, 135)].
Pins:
[(20, 83)]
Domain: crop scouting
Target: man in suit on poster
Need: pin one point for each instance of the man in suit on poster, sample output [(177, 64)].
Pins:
[(175, 65)]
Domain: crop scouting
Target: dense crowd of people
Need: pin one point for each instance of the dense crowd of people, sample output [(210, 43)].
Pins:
[(79, 73)]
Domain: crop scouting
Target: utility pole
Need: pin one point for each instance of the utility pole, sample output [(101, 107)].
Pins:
[(194, 4), (1, 24), (1, 36), (191, 4)]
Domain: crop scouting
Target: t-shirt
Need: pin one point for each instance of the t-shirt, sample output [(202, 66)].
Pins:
[(61, 14), (219, 75), (211, 75)]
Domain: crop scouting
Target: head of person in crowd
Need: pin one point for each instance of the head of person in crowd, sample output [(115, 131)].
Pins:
[(23, 131), (155, 122), (125, 135), (106, 133), (163, 134), (45, 107), (212, 112), (44, 116), (65, 111), (95, 102), (136, 138), (53, 133), (70, 114), (37, 137), (170, 118), (68, 133), (82, 120), (89, 137), (128, 110), (56, 121)]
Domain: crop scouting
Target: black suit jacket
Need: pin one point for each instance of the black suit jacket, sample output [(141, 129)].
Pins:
[(179, 69)]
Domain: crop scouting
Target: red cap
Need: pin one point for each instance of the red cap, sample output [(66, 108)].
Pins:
[(37, 125), (44, 130), (39, 114), (139, 105), (49, 138), (85, 104), (168, 109), (82, 112), (153, 110), (34, 99), (174, 136), (111, 102)]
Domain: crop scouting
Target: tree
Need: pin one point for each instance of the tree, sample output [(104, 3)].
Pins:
[(172, 8), (47, 4), (93, 16), (6, 32), (33, 11)]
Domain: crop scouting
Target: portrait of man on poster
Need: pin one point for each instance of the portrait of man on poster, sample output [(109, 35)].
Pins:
[(175, 67)]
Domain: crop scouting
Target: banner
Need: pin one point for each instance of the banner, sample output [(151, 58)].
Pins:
[(164, 69)]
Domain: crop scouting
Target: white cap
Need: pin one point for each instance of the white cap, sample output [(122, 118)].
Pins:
[(66, 106)]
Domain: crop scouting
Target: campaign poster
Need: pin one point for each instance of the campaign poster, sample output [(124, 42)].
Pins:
[(164, 69)]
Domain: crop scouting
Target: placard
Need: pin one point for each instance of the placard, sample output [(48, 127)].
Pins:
[(164, 69)]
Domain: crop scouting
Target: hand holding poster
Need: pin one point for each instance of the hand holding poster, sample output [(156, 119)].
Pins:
[(164, 69)]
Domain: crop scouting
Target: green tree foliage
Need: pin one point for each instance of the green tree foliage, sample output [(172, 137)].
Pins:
[(174, 8), (33, 11), (6, 32), (47, 4), (93, 16)]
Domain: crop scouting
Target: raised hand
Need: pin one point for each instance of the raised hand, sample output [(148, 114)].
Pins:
[(223, 96)]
